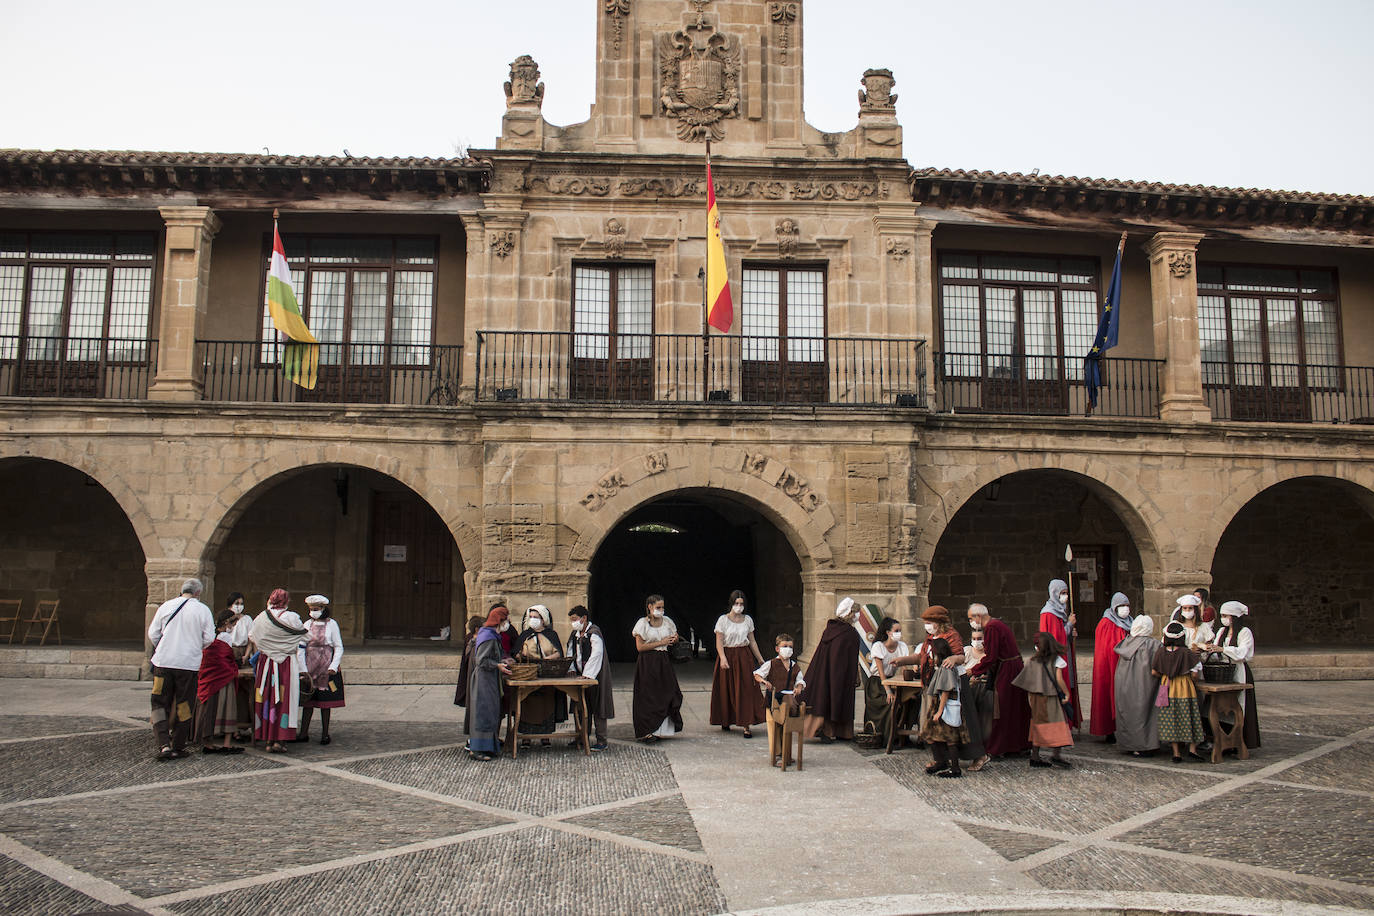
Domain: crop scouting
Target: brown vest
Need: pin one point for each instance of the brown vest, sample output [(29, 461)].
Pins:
[(780, 676)]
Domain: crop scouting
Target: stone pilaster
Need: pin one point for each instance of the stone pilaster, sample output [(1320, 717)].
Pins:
[(185, 291), (494, 255), (923, 302), (166, 575), (1173, 293), (898, 590)]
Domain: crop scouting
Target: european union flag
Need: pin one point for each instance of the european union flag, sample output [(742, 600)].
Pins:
[(1106, 331)]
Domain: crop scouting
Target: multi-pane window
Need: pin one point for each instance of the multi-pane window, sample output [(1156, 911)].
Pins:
[(75, 297), (1014, 316), (1269, 326), (613, 310), (782, 323), (368, 301)]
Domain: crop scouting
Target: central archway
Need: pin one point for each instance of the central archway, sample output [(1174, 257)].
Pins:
[(694, 547)]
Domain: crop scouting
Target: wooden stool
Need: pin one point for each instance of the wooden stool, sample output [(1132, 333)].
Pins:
[(783, 724), (45, 616), (9, 614), (1226, 702)]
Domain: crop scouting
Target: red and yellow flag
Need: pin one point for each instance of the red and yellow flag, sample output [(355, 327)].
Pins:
[(720, 310)]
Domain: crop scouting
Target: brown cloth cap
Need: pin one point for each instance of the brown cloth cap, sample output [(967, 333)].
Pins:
[(936, 613)]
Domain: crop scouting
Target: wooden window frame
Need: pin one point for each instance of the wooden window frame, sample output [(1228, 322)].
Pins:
[(614, 384)]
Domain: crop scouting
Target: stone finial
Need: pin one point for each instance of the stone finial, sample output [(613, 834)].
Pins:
[(876, 97), (523, 88)]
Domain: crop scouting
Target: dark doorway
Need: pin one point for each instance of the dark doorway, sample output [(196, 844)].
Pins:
[(411, 555), (694, 548)]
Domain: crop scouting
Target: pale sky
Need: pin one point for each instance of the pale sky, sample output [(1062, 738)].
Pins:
[(1244, 93)]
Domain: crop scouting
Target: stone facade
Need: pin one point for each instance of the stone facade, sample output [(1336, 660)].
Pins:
[(885, 498)]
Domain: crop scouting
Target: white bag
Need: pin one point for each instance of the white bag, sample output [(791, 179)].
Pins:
[(953, 716)]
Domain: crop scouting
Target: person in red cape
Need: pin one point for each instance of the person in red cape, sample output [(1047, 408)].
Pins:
[(217, 690), (1056, 620), (999, 665), (1114, 626), (832, 677)]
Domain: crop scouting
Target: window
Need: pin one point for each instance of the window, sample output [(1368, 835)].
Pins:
[(613, 327), (1268, 326), (1015, 316), (75, 297), (369, 301), (782, 322)]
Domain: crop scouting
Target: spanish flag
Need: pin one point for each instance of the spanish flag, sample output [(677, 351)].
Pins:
[(720, 311), (300, 360)]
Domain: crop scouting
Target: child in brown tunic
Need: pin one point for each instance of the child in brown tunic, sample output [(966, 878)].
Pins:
[(941, 696)]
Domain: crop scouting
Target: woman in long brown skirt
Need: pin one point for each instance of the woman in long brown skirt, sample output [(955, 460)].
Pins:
[(735, 699), (657, 708)]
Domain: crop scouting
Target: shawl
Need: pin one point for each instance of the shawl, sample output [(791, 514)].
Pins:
[(218, 669), (1174, 662), (276, 638), (1054, 605), (1110, 613)]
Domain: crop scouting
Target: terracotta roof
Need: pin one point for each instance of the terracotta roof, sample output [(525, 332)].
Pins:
[(1147, 199), (127, 170)]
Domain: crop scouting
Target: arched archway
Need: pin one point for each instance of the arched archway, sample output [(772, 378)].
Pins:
[(1006, 542), (376, 548), (1298, 554), (694, 547), (63, 535)]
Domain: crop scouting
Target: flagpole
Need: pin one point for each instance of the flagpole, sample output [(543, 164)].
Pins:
[(705, 307), (276, 392)]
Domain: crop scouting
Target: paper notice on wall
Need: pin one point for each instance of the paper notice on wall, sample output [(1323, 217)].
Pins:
[(1123, 566), (394, 553), (1085, 566), (1087, 592)]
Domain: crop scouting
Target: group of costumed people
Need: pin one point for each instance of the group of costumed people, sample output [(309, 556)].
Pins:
[(233, 677)]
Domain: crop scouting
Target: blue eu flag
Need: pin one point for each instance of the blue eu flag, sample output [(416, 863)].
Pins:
[(1106, 331)]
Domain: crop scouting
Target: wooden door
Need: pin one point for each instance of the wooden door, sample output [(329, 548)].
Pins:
[(1092, 583), (411, 565)]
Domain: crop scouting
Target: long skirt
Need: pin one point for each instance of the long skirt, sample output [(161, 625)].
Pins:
[(657, 708), (1181, 721), (877, 707), (735, 696), (1048, 727), (219, 715), (276, 699), (978, 709)]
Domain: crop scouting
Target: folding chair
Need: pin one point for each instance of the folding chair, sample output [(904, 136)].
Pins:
[(9, 614), (44, 615)]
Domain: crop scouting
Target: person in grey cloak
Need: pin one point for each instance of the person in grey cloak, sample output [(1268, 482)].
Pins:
[(484, 687), (1137, 718)]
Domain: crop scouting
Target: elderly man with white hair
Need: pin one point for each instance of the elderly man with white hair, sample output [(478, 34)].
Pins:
[(180, 630), (1237, 643)]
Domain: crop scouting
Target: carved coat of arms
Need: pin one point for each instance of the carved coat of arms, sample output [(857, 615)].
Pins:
[(699, 69)]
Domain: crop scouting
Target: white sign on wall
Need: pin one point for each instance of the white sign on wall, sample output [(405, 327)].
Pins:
[(394, 553)]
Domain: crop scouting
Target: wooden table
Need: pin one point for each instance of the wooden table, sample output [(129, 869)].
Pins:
[(1226, 699), (576, 690), (899, 686)]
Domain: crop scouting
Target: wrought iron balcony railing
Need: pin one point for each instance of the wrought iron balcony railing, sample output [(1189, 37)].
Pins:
[(687, 369), (76, 367), (1045, 385), (1289, 392), (248, 370)]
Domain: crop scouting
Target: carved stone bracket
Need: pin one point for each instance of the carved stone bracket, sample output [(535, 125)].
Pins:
[(502, 243), (1180, 263), (898, 249), (606, 488), (793, 485), (615, 238), (876, 97), (789, 234), (523, 89), (656, 463), (618, 10), (784, 14)]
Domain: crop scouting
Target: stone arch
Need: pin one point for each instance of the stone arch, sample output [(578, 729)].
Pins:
[(1136, 509), (678, 468), (463, 521), (1358, 478), (112, 481)]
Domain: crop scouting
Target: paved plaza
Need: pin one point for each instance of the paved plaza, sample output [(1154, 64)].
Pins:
[(392, 818)]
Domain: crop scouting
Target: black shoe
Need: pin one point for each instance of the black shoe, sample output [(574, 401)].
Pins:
[(324, 739), (1178, 759), (302, 739), (598, 746), (1037, 762), (826, 739), (951, 773), (1111, 739), (1193, 755)]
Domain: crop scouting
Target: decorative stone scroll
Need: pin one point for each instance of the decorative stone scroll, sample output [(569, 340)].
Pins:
[(618, 10), (789, 233), (735, 189), (615, 238), (793, 485), (502, 243), (1180, 263), (699, 72), (833, 190), (523, 89), (784, 14), (606, 488), (876, 97), (662, 187), (656, 463)]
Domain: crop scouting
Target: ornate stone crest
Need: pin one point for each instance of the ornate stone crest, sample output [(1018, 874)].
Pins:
[(788, 235), (502, 243), (699, 69), (1180, 263), (617, 10), (615, 238), (876, 97), (523, 87)]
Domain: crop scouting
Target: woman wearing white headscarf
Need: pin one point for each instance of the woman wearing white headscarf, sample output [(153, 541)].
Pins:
[(542, 710), (1237, 643), (1137, 719), (1189, 613)]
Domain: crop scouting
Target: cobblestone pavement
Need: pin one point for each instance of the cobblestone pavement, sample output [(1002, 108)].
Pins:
[(393, 818)]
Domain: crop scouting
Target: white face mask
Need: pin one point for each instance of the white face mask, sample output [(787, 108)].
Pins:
[(739, 607), (785, 652), (1227, 621), (1123, 611), (535, 622), (656, 613), (930, 628), (977, 644), (895, 636), (317, 614), (1063, 597), (1189, 615), (505, 625), (577, 626), (237, 609)]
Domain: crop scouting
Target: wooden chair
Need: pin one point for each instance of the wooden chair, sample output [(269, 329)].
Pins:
[(783, 724), (45, 616), (9, 614)]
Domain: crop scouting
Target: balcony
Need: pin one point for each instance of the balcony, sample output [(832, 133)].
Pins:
[(76, 367), (1289, 393), (543, 366), (1045, 385), (248, 370)]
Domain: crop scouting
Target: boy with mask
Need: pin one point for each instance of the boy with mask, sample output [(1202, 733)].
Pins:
[(781, 676), (587, 649)]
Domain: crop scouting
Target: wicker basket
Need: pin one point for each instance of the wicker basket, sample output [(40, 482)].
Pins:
[(524, 671), (1218, 672), (554, 667)]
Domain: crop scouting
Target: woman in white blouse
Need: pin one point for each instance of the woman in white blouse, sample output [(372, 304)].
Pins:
[(320, 656), (1237, 643), (657, 707), (889, 652), (1189, 613), (735, 700)]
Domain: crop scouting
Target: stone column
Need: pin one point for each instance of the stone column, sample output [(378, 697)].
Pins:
[(165, 578), (1173, 292), (923, 302), (185, 291), (494, 256)]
